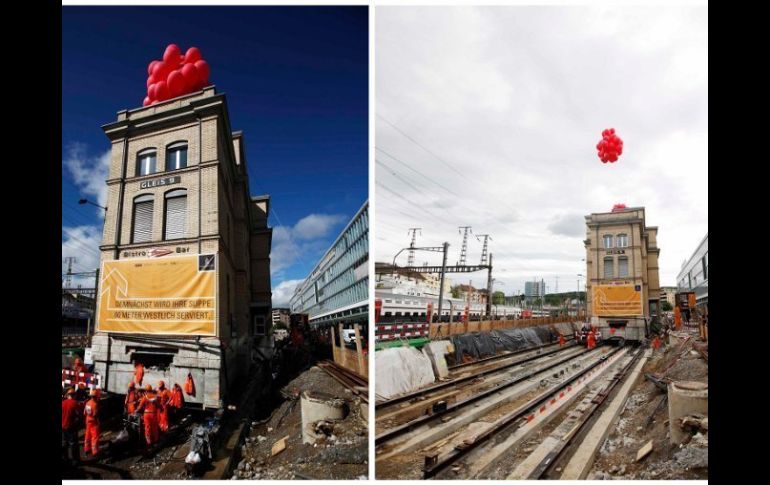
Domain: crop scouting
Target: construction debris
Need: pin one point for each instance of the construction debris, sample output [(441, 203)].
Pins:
[(274, 448), (644, 451)]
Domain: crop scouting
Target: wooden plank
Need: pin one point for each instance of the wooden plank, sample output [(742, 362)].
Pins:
[(644, 451)]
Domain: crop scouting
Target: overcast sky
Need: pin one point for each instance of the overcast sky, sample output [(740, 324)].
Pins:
[(504, 107)]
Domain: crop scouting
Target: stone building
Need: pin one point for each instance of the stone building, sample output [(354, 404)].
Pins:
[(622, 252), (179, 185)]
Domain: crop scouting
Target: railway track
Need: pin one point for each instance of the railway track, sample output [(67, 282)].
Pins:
[(489, 422), (499, 380)]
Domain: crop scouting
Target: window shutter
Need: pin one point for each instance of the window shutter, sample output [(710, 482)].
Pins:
[(623, 267), (176, 216), (143, 221), (609, 270)]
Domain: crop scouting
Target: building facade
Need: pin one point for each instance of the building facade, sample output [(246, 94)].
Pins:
[(694, 275), (281, 315), (337, 290), (534, 289), (178, 184), (667, 294), (622, 251)]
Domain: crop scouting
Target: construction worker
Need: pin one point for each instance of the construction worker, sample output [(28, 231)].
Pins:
[(656, 342), (81, 394), (132, 398), (70, 417), (138, 373), (177, 398), (591, 339), (150, 405), (164, 395), (562, 341), (91, 412), (79, 367)]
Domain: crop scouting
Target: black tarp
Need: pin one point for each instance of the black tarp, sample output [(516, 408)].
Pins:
[(485, 344)]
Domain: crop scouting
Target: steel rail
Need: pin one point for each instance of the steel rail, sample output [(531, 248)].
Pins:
[(520, 413)]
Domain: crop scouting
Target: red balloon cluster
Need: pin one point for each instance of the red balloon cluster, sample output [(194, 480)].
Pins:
[(175, 75), (610, 147), (618, 207)]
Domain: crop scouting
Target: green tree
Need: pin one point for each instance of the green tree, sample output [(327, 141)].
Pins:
[(666, 306), (456, 291), (498, 298)]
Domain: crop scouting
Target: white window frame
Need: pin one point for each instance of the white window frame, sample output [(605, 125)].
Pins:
[(144, 159), (621, 240), (176, 148), (607, 238)]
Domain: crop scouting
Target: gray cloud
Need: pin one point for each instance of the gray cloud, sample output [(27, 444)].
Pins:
[(572, 225)]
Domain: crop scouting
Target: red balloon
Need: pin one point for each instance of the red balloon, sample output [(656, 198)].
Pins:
[(190, 75), (176, 84), (192, 55), (146, 101), (171, 54), (151, 80), (161, 71), (151, 66), (203, 70), (154, 101), (151, 91), (161, 91)]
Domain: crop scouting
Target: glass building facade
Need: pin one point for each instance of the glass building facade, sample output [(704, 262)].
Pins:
[(337, 290), (694, 275)]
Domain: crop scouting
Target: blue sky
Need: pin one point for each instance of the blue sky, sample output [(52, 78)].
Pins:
[(296, 80)]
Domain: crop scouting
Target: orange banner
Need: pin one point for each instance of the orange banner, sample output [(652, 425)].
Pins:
[(616, 300), (170, 296)]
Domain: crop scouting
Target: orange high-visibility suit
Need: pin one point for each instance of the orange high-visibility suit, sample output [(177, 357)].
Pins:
[(164, 395), (677, 318), (79, 366), (91, 412), (132, 400), (561, 340), (177, 398), (151, 406), (138, 374), (591, 340), (656, 343)]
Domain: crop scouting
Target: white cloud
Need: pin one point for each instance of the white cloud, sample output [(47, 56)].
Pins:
[(88, 172), (81, 242), (283, 292), (316, 225), (301, 242), (515, 99)]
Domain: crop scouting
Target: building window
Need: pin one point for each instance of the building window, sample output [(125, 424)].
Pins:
[(705, 268), (176, 156), (609, 268), (146, 162), (260, 329), (142, 230), (622, 267), (176, 214), (622, 240), (608, 241)]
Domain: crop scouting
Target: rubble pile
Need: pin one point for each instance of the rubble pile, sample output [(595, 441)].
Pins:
[(645, 419), (274, 448)]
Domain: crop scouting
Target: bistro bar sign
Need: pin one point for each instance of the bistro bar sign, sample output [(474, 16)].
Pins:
[(160, 182)]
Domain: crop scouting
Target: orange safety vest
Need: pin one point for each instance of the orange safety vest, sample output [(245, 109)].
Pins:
[(91, 411), (138, 374), (189, 385)]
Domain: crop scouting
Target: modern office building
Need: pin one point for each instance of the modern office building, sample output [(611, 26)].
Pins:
[(694, 275), (337, 290), (534, 289), (281, 315)]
